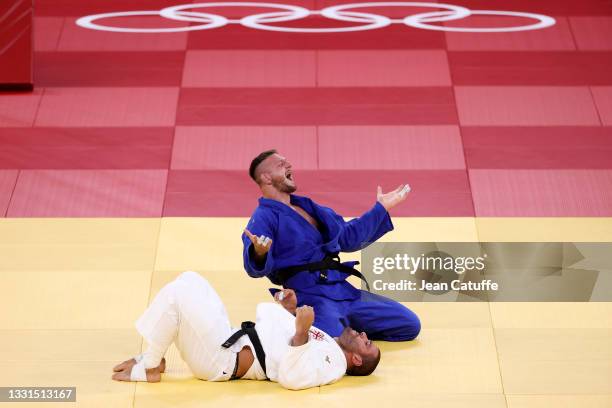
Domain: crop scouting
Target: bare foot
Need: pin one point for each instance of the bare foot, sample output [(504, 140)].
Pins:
[(130, 363), (124, 365), (153, 375)]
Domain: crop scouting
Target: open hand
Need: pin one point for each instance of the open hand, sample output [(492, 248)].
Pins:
[(287, 298), (393, 198), (261, 244)]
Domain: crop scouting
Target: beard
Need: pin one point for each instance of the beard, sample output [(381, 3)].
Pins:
[(347, 339), (283, 186)]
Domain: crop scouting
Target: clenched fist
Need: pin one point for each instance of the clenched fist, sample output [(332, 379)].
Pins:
[(304, 317)]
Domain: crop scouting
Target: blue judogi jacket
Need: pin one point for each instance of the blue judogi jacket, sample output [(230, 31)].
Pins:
[(296, 242)]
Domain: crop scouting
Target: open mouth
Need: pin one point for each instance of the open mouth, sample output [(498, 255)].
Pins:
[(289, 175)]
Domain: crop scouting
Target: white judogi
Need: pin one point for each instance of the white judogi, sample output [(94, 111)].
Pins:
[(190, 313)]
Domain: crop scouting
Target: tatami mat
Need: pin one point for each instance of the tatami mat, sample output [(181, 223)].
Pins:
[(73, 299), (559, 401), (544, 229), (72, 289), (78, 244), (555, 361), (44, 346), (92, 380)]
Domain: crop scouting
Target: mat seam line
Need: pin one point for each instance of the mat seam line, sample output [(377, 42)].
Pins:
[(501, 378), (149, 297), (8, 205), (601, 124), (467, 170)]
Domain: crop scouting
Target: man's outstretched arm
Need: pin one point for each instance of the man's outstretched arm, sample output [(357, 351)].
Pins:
[(374, 223)]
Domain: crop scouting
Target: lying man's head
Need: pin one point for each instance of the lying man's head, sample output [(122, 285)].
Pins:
[(270, 170), (362, 356)]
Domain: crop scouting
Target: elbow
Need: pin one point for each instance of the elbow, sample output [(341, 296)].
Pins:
[(254, 272), (292, 383)]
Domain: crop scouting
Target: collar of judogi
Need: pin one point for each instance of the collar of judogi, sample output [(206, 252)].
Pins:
[(301, 201)]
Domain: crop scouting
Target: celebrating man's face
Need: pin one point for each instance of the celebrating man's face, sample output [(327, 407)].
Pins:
[(276, 170)]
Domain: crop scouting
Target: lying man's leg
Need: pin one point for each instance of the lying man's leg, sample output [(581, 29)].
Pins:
[(188, 311)]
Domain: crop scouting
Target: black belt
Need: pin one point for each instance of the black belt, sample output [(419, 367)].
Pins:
[(248, 328), (331, 261)]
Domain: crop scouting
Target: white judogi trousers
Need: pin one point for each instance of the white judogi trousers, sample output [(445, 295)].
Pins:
[(190, 313)]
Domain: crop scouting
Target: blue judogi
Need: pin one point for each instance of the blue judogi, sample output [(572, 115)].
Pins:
[(296, 242)]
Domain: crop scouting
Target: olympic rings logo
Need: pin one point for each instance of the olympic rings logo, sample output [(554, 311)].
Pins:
[(343, 12)]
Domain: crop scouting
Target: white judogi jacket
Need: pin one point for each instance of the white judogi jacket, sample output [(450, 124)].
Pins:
[(318, 362), (190, 313)]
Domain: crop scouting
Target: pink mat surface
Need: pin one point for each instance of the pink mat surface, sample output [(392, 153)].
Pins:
[(233, 147), (230, 193), (85, 148), (526, 106), (567, 147), (108, 107), (592, 33), (542, 193), (390, 147), (89, 193), (8, 178), (151, 124)]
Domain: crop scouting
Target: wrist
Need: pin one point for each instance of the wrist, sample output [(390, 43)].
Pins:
[(299, 339), (383, 205), (257, 257)]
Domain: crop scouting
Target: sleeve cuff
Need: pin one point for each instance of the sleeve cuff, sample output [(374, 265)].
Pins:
[(267, 265), (385, 217)]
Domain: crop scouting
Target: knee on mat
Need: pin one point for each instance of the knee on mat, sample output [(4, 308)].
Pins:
[(408, 329), (414, 328), (189, 275)]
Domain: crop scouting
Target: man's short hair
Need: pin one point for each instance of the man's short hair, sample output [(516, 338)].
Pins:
[(367, 367), (257, 161)]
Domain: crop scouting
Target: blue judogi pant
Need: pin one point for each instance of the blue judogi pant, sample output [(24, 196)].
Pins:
[(379, 317)]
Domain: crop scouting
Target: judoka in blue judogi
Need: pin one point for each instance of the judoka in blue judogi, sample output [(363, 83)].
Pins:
[(288, 233)]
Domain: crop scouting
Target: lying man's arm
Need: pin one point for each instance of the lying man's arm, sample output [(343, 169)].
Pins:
[(304, 317), (305, 365)]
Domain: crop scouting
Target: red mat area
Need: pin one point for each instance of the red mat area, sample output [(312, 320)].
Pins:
[(230, 147), (538, 147), (526, 106), (85, 148), (141, 124), (88, 193), (542, 193), (230, 193), (556, 38), (108, 107), (8, 178), (316, 106), (592, 33)]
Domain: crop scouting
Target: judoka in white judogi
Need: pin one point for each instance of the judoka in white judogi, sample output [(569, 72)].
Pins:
[(190, 313)]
